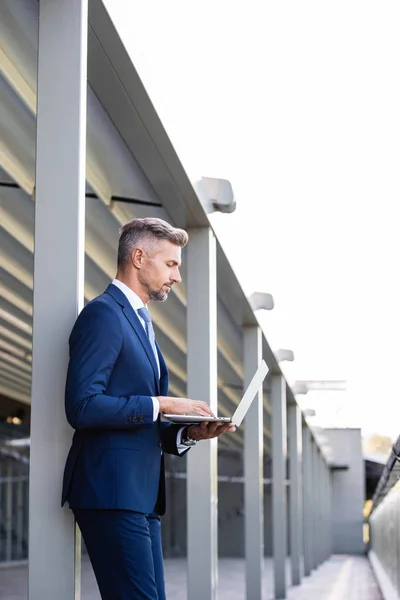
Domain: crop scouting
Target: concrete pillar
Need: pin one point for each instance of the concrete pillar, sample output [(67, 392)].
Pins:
[(315, 506), (295, 490), (279, 462), (307, 502), (329, 512), (58, 286), (328, 516), (324, 529), (253, 470), (202, 492)]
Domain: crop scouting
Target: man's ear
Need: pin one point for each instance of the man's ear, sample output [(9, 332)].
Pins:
[(137, 258)]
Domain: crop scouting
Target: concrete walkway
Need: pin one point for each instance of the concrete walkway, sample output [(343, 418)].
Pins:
[(340, 578)]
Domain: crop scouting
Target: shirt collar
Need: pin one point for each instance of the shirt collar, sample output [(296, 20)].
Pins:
[(133, 298)]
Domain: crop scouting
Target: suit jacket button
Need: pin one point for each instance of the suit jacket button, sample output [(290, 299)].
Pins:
[(160, 444)]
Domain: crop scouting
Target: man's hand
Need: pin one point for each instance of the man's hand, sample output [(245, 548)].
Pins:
[(206, 431), (184, 406)]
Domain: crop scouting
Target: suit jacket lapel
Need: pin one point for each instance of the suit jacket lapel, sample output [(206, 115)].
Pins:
[(137, 326), (163, 373)]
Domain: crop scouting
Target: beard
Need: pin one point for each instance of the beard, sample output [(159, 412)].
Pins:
[(153, 294)]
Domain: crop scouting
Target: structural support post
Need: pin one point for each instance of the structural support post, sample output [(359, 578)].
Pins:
[(279, 462), (324, 517), (329, 511), (58, 286), (323, 507), (315, 505), (295, 490), (307, 502), (253, 470), (320, 479), (202, 492), (328, 527)]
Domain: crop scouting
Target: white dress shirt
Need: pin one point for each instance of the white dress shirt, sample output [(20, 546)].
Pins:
[(136, 304)]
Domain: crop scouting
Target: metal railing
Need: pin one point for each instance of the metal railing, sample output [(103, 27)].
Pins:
[(384, 523), (14, 482)]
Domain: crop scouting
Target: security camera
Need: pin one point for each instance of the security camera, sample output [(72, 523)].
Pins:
[(216, 194)]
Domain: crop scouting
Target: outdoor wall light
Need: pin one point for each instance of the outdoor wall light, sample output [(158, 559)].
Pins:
[(282, 354), (216, 194), (309, 412), (261, 301), (299, 388)]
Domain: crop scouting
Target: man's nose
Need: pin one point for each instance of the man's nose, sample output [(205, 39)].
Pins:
[(177, 276)]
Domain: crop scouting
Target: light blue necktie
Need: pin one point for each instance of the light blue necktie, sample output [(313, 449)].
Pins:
[(144, 313)]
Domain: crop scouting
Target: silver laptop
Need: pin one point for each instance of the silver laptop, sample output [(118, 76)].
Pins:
[(241, 410)]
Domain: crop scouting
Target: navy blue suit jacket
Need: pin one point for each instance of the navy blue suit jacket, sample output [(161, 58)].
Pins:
[(116, 459)]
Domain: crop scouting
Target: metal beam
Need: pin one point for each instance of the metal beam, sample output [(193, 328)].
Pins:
[(58, 286), (295, 490), (253, 470), (202, 493), (315, 503), (307, 501), (279, 462)]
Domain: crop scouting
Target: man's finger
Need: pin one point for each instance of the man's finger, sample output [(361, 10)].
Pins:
[(206, 410), (212, 427), (226, 428)]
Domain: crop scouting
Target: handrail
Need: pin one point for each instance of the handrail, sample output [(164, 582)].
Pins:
[(385, 484)]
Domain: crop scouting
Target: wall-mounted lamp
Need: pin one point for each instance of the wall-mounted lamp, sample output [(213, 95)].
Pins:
[(261, 301), (299, 388), (215, 194), (283, 354), (309, 412)]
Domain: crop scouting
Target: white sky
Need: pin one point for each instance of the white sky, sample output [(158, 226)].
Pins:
[(298, 105)]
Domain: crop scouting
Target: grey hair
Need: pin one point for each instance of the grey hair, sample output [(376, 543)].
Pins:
[(137, 231)]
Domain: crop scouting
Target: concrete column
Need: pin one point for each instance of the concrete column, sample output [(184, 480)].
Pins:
[(279, 461), (202, 493), (328, 518), (314, 504), (321, 506), (321, 487), (329, 511), (58, 286), (253, 471), (307, 538), (325, 508), (296, 491), (316, 507), (324, 519)]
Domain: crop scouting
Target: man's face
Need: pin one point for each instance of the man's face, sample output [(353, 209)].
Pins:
[(160, 269)]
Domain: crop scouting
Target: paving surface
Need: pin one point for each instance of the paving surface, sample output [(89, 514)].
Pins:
[(340, 578)]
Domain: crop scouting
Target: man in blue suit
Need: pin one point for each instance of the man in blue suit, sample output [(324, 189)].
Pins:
[(116, 389)]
